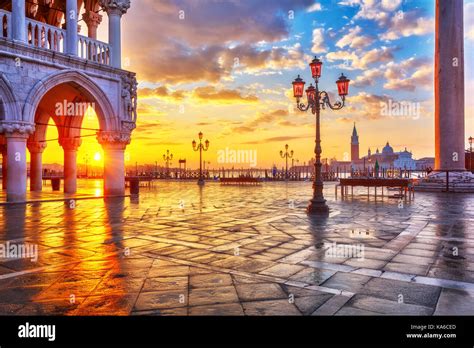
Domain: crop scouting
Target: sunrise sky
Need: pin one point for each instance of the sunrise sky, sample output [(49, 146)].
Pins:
[(225, 68)]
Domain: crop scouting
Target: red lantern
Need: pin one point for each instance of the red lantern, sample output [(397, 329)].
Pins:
[(311, 93), (194, 144), (200, 135), (343, 85), (298, 87), (207, 143), (316, 67)]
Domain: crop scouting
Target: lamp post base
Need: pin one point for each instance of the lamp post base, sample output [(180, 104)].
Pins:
[(317, 207)]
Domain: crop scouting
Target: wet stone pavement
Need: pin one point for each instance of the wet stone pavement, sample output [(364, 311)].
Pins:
[(184, 250)]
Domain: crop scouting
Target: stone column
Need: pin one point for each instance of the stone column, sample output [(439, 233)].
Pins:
[(115, 9), (70, 146), (92, 21), (16, 166), (71, 27), (36, 165), (3, 149), (449, 86), (19, 20), (114, 145), (16, 133)]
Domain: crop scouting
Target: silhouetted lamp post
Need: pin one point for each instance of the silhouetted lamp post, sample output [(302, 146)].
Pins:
[(167, 158), (200, 147), (316, 100), (286, 155)]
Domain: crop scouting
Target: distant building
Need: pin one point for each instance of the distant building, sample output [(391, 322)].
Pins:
[(354, 145), (425, 163), (385, 159)]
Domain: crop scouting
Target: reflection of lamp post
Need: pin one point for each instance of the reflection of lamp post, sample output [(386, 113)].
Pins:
[(167, 158), (200, 147), (470, 154), (316, 100), (286, 155)]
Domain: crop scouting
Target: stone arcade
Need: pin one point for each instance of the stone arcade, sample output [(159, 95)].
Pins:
[(43, 62)]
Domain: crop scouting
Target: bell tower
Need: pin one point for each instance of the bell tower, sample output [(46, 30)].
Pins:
[(354, 145)]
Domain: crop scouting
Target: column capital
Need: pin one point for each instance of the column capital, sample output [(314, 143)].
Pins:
[(92, 18), (36, 146), (118, 140), (70, 144), (118, 7), (16, 129)]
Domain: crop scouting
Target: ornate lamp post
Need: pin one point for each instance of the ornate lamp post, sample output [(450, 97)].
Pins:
[(167, 158), (316, 100), (200, 147), (470, 154), (286, 155)]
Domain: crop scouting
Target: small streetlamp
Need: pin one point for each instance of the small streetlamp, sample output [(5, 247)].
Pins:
[(316, 100), (167, 158), (470, 154), (86, 160), (200, 147), (286, 155)]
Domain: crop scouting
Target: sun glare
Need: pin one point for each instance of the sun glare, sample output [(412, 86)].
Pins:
[(97, 157)]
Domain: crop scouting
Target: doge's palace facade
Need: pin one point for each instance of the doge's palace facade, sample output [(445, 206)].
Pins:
[(44, 63)]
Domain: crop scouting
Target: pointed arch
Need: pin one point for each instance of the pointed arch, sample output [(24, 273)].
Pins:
[(108, 119)]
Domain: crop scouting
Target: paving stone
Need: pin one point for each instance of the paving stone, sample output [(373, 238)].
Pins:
[(313, 276), (206, 296), (413, 293), (225, 309), (282, 270), (309, 304), (406, 268), (252, 292), (455, 302), (210, 280), (346, 281), (165, 283), (269, 308), (388, 307), (161, 299), (352, 311)]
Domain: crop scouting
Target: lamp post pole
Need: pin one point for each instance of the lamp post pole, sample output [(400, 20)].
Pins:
[(167, 158), (200, 147), (316, 100), (286, 155)]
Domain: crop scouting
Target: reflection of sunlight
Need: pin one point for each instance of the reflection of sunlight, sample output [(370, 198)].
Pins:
[(98, 188), (97, 157)]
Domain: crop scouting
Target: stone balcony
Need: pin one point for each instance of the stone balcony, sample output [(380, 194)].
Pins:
[(50, 38)]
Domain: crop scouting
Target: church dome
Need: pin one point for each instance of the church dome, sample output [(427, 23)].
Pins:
[(387, 150)]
